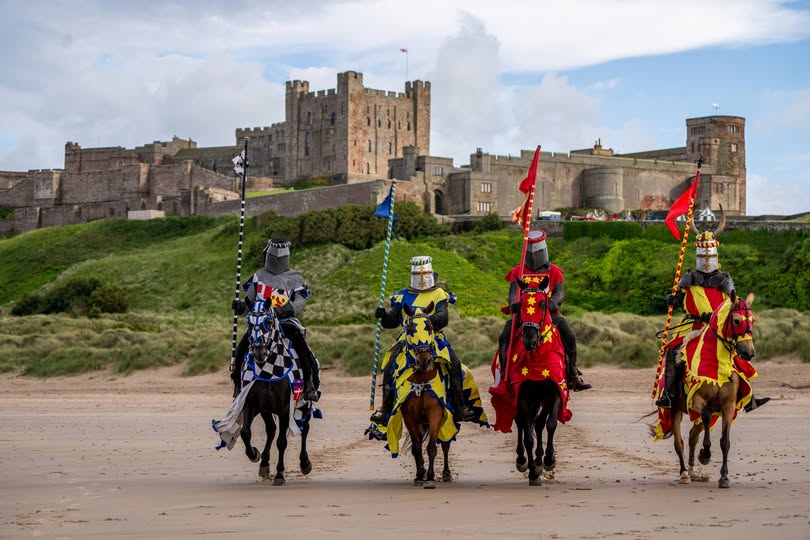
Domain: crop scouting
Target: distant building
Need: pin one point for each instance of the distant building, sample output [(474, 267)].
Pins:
[(355, 135)]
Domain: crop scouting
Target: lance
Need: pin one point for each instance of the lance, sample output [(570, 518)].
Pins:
[(526, 225), (381, 302), (670, 309), (240, 166)]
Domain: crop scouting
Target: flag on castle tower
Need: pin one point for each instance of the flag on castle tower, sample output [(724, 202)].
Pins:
[(404, 50), (522, 214), (239, 163)]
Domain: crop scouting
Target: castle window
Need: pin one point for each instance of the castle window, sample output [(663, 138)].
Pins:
[(307, 138), (438, 171), (733, 129), (733, 147), (332, 119), (379, 123), (390, 146), (486, 187), (484, 207), (309, 118), (368, 145), (368, 120), (368, 168), (409, 126), (389, 124)]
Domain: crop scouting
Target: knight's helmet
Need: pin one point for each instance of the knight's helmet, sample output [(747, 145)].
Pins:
[(422, 276), (277, 256), (706, 244), (536, 250)]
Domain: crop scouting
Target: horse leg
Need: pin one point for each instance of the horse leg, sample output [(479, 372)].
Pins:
[(521, 463), (694, 435), (409, 415), (446, 476), (270, 427), (250, 451), (539, 425), (550, 458), (677, 438), (303, 458), (705, 454), (725, 439), (281, 442), (528, 441), (435, 414)]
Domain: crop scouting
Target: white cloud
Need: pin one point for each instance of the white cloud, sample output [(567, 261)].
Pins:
[(768, 195)]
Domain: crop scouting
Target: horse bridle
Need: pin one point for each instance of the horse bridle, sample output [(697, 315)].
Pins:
[(728, 326), (412, 349)]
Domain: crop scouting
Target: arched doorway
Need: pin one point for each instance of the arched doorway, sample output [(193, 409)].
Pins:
[(438, 202)]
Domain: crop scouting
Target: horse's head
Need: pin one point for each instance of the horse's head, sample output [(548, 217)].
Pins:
[(734, 324), (263, 327), (419, 338), (534, 312)]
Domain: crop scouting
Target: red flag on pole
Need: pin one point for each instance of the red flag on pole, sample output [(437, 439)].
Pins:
[(681, 206), (523, 213)]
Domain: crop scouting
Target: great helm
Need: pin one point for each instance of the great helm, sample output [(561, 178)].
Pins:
[(422, 277), (706, 244), (277, 256), (536, 250)]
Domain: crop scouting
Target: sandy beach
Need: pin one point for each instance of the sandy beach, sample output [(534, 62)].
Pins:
[(103, 456)]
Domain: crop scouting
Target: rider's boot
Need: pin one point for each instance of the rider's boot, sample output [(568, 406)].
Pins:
[(575, 381), (755, 403), (311, 380), (665, 401), (461, 413), (381, 415)]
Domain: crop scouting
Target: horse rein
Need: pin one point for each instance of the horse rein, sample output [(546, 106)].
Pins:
[(728, 327)]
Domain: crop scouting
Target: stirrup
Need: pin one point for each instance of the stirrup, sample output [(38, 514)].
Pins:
[(755, 403), (664, 402), (380, 417), (579, 385), (466, 414)]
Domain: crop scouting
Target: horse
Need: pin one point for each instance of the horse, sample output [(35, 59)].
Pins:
[(539, 401), (423, 413), (731, 326), (269, 353)]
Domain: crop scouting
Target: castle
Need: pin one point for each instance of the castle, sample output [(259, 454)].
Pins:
[(356, 140)]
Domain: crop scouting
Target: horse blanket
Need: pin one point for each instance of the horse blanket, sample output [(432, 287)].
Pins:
[(547, 361), (708, 361), (438, 387), (281, 364)]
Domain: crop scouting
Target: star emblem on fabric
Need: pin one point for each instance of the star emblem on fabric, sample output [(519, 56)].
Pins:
[(524, 371), (530, 310), (531, 301), (514, 358), (533, 280), (545, 373), (547, 334)]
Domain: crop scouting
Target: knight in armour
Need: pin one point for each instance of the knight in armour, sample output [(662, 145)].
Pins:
[(285, 289), (536, 266), (699, 293), (422, 290)]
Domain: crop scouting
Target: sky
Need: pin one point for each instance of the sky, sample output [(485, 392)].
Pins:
[(505, 76)]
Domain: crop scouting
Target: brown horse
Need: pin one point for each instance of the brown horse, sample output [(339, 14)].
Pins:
[(730, 329), (423, 413)]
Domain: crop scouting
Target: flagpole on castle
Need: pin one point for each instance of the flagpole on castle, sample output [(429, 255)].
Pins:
[(381, 303), (692, 190), (406, 63), (240, 165)]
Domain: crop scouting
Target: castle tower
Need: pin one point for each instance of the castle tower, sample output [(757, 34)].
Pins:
[(721, 142), (349, 133)]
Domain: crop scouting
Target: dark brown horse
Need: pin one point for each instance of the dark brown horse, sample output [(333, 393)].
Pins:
[(423, 413), (731, 328), (539, 401), (269, 396)]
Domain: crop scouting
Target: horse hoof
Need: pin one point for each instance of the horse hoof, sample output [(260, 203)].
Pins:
[(536, 481), (684, 479), (723, 483), (549, 464), (306, 468), (254, 457), (418, 483), (522, 464), (264, 472), (447, 477), (279, 481), (430, 484), (704, 457)]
